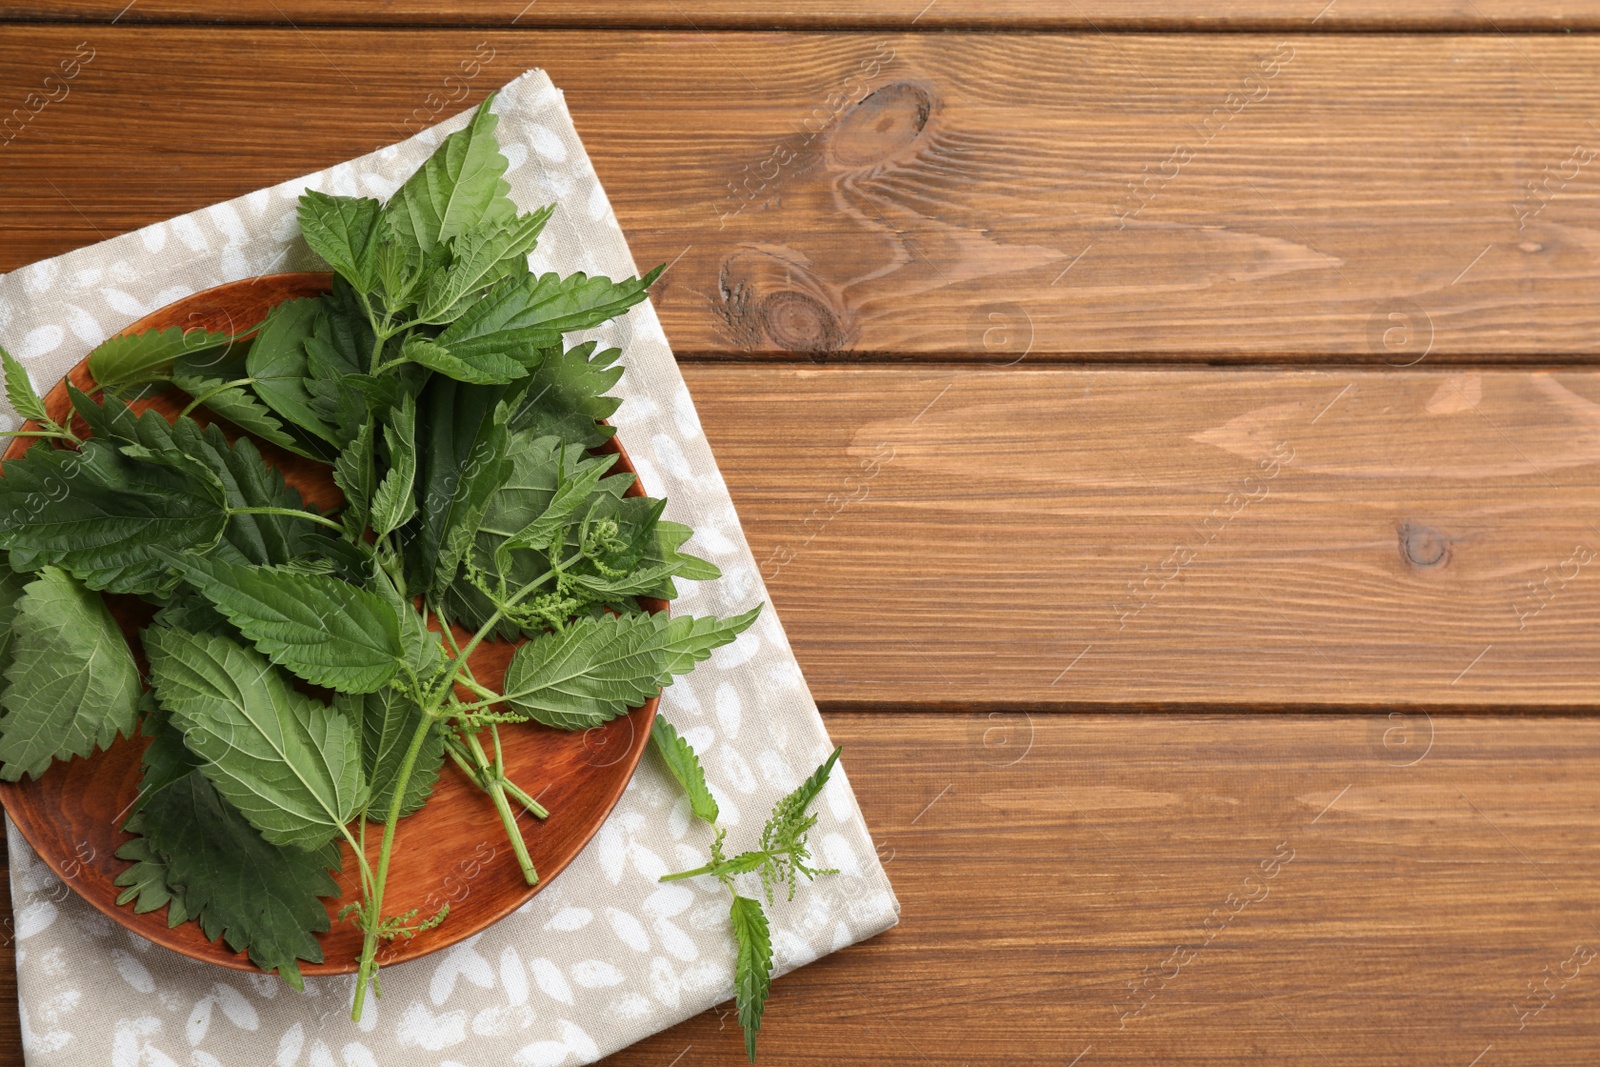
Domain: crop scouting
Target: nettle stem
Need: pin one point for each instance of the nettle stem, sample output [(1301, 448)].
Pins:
[(431, 714), (494, 783), (291, 512), (369, 946)]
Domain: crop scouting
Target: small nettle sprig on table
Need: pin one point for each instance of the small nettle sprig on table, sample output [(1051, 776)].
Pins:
[(779, 860), (433, 384)]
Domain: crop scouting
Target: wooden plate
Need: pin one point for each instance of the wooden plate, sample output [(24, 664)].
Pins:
[(452, 850)]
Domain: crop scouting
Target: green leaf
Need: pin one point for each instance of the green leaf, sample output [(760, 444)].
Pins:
[(389, 719), (599, 667), (344, 231), (664, 552), (353, 474), (485, 368), (519, 316), (565, 485), (240, 407), (479, 258), (132, 359), (235, 474), (277, 363), (19, 390), (166, 759), (247, 482), (338, 350), (753, 973), (463, 461), (685, 767), (188, 610), (12, 585), (289, 763), (213, 866), (551, 486), (393, 504), (325, 630), (795, 804), (565, 395), (459, 188), (103, 515), (72, 685), (147, 880)]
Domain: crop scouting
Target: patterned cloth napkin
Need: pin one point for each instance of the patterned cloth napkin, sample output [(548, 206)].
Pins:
[(605, 954)]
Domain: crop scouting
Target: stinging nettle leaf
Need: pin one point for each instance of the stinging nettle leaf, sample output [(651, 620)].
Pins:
[(480, 258), (522, 315), (389, 719), (325, 630), (104, 516), (353, 474), (753, 971), (248, 482), (132, 359), (796, 803), (345, 231), (685, 767), (484, 368), (464, 459), (19, 390), (566, 395), (460, 187), (277, 364), (72, 684), (216, 868), (290, 764), (599, 667), (146, 882), (233, 402), (393, 504), (12, 585)]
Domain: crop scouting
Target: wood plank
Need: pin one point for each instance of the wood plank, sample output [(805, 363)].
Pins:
[(1232, 197), (1053, 537), (1482, 16), (1045, 863), (1419, 905)]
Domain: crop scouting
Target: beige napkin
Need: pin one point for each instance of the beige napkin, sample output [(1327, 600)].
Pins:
[(604, 955)]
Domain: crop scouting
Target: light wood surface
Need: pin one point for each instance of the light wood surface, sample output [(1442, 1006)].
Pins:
[(1419, 903), (1370, 202), (1163, 537), (954, 444)]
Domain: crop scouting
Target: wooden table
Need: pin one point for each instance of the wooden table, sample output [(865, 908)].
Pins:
[(1214, 641)]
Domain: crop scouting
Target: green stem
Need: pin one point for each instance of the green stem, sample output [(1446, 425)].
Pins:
[(367, 970), (520, 795), (63, 434), (463, 758), (369, 945), (361, 855), (292, 512), (494, 778)]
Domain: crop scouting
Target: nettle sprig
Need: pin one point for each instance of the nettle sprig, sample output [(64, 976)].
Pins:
[(433, 385), (779, 861)]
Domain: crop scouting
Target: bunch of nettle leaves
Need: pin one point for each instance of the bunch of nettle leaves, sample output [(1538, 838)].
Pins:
[(433, 380)]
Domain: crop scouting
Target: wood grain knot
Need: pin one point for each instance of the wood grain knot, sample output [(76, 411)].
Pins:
[(883, 126), (769, 297), (1423, 546)]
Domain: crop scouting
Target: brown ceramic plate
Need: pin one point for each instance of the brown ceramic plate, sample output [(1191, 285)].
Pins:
[(452, 850)]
